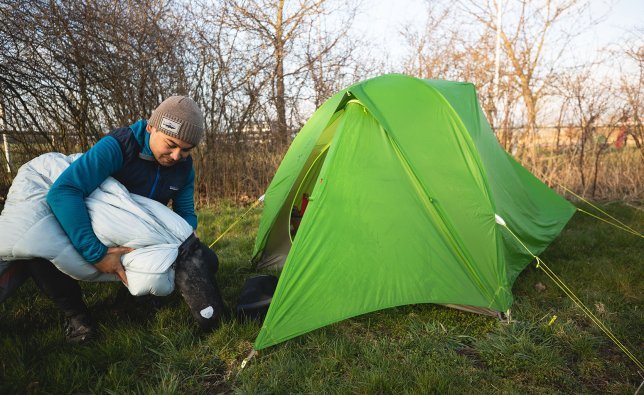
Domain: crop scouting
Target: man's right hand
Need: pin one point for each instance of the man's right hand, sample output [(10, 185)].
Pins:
[(111, 262)]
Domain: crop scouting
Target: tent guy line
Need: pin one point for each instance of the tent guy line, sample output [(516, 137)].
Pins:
[(621, 225), (540, 264), (257, 202)]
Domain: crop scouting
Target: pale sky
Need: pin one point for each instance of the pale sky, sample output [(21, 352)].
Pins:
[(381, 21)]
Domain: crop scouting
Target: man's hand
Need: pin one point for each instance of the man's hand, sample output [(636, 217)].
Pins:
[(111, 262)]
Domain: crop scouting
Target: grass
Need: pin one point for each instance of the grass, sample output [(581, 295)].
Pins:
[(147, 348)]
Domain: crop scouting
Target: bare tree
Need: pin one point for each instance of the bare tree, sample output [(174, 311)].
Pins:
[(277, 35), (534, 39), (334, 61), (255, 87), (69, 70), (436, 47), (589, 103), (631, 85), (442, 49)]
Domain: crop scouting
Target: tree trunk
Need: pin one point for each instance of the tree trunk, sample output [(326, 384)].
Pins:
[(581, 157), (531, 110), (600, 150)]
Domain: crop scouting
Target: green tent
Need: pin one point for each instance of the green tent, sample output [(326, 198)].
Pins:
[(406, 187)]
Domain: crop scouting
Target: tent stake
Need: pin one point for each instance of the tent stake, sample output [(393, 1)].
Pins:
[(246, 360)]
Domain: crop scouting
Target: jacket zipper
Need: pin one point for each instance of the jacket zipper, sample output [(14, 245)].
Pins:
[(156, 180)]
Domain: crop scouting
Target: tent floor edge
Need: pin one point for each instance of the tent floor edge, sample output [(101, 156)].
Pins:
[(474, 309)]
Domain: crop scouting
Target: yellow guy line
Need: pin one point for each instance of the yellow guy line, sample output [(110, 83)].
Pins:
[(625, 229), (542, 265), (261, 199), (587, 311), (623, 226)]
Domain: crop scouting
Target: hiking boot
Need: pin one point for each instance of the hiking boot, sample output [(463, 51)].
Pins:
[(79, 329)]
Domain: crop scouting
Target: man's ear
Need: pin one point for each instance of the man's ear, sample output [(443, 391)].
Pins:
[(148, 128)]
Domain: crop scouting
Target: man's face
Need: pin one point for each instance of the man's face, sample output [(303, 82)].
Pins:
[(167, 150)]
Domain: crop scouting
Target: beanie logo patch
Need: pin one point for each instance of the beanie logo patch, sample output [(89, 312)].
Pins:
[(170, 126)]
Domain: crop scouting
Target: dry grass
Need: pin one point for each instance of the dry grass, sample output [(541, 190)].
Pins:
[(241, 171), (243, 174), (234, 171), (620, 174)]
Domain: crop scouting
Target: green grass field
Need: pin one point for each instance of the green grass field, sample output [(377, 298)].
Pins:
[(149, 347)]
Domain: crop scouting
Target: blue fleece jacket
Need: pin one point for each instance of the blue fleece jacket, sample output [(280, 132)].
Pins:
[(124, 154)]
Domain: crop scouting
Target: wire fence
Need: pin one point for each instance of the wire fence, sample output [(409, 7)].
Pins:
[(238, 167)]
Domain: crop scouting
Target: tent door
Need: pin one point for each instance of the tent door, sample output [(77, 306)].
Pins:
[(305, 189)]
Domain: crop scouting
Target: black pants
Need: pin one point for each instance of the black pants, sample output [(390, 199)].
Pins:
[(63, 290), (195, 280)]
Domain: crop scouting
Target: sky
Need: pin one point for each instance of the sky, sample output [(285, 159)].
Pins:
[(381, 21)]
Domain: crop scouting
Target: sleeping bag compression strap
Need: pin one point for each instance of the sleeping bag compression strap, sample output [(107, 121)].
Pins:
[(261, 199), (621, 225), (542, 265), (189, 245)]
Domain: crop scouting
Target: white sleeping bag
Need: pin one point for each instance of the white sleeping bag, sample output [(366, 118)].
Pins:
[(29, 229)]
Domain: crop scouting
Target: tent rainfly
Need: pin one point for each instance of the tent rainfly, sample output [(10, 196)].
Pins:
[(405, 190)]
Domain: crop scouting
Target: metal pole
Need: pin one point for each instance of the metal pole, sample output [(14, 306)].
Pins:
[(7, 154), (497, 64)]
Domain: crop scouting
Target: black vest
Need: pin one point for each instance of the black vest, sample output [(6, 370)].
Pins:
[(143, 175)]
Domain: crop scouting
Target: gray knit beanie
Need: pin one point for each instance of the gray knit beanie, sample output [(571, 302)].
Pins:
[(179, 117)]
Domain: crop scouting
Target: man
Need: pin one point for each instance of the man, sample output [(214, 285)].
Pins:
[(150, 158)]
